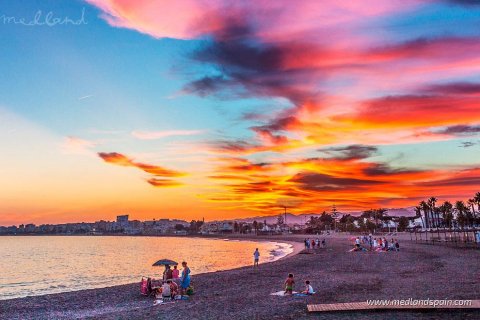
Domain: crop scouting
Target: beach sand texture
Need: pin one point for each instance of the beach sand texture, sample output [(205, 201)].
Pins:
[(418, 271)]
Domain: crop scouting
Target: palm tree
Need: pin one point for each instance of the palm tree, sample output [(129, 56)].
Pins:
[(447, 213), (431, 205), (477, 200), (418, 214), (460, 209), (425, 209), (471, 203)]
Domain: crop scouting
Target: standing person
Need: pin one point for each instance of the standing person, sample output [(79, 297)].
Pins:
[(175, 273), (167, 274), (317, 243), (397, 245), (324, 244), (185, 282), (256, 257), (289, 283)]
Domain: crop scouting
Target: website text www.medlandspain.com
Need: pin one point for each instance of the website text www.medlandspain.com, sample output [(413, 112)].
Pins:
[(420, 303)]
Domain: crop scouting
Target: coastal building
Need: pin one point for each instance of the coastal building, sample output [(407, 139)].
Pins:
[(226, 227), (122, 221), (30, 228)]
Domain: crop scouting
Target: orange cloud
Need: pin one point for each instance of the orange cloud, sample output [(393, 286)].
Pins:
[(121, 160), (163, 182)]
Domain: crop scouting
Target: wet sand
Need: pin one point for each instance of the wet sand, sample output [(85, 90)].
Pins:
[(418, 271)]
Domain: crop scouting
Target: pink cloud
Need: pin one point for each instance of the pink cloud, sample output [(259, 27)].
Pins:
[(75, 145), (186, 19), (152, 135)]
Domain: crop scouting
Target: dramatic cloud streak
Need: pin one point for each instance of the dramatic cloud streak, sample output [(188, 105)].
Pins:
[(122, 160), (349, 81)]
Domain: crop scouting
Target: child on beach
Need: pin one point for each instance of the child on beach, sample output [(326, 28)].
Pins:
[(308, 288), (289, 284)]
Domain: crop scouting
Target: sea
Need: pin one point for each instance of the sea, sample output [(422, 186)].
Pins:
[(38, 265)]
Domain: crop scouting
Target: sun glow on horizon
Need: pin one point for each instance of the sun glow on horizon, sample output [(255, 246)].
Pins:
[(218, 109)]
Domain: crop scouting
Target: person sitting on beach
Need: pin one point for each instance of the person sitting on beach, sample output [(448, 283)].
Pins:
[(175, 273), (173, 288), (166, 292), (308, 288), (289, 283)]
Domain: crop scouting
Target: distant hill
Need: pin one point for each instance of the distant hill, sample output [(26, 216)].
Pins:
[(302, 218)]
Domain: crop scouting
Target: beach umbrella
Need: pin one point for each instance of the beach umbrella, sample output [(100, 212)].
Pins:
[(164, 262)]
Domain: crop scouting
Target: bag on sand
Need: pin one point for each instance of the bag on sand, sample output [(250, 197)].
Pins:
[(189, 291)]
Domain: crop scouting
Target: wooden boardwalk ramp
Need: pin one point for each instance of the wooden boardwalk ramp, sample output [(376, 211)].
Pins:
[(359, 306)]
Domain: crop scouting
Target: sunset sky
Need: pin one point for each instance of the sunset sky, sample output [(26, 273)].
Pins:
[(222, 109)]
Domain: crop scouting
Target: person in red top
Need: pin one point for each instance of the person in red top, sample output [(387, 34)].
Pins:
[(289, 284)]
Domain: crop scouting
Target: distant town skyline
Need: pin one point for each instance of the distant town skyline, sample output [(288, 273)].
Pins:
[(223, 109)]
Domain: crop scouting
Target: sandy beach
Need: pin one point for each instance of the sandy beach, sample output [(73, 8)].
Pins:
[(418, 271)]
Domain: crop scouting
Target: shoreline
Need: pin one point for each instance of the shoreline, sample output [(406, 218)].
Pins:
[(417, 272), (295, 248)]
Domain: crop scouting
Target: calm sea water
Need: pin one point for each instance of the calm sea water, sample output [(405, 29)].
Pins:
[(43, 265)]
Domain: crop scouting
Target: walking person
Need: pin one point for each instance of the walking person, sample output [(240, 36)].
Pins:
[(256, 257)]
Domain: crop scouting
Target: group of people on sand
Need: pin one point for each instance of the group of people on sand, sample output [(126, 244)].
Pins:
[(174, 283), (314, 243), (290, 283), (375, 244)]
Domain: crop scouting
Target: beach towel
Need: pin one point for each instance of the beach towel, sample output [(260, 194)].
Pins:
[(157, 302), (298, 294), (282, 293)]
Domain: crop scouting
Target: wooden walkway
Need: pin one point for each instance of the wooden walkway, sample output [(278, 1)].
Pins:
[(358, 306)]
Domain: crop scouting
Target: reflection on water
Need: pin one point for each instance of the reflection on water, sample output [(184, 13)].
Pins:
[(43, 265)]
